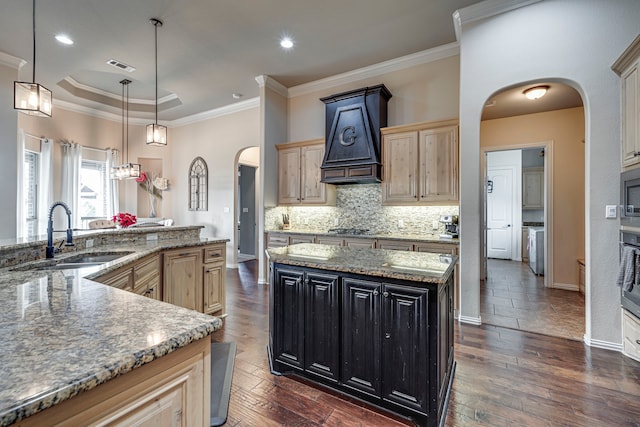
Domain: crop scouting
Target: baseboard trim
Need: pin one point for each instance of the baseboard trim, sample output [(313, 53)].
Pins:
[(470, 320), (607, 345), (566, 286)]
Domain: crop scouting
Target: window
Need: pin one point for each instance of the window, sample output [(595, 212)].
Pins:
[(30, 190), (94, 179), (198, 185)]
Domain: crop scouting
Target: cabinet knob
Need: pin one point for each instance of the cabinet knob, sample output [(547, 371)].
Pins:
[(385, 294), (376, 292), (387, 335)]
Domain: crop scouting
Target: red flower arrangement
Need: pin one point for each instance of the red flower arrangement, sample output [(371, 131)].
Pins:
[(125, 219)]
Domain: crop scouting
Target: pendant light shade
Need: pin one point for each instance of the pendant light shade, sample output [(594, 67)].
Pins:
[(156, 134), (126, 170), (30, 97)]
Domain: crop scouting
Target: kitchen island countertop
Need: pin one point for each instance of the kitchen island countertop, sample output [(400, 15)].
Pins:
[(422, 267)]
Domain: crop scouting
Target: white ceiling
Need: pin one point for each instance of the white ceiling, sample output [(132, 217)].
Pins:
[(210, 49)]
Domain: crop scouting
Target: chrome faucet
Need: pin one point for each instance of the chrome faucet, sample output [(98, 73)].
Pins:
[(50, 249)]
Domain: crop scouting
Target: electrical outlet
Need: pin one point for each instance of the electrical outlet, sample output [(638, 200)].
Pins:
[(88, 243), (400, 223), (306, 221), (336, 222), (611, 211), (152, 236), (435, 224)]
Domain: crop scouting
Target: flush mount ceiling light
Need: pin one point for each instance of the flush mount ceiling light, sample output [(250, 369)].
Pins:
[(126, 170), (64, 39), (156, 134), (536, 92), (286, 42), (30, 97)]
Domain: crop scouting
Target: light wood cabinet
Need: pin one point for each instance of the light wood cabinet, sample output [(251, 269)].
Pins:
[(394, 245), (182, 278), (533, 188), (146, 277), (627, 68), (299, 174), (630, 335), (173, 390), (356, 242), (213, 276), (121, 278), (420, 164)]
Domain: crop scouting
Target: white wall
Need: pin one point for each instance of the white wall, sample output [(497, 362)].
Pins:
[(218, 141), (574, 41), (9, 157)]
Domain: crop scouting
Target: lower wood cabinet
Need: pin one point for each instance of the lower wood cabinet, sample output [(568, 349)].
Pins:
[(182, 278), (192, 277), (173, 390), (385, 341)]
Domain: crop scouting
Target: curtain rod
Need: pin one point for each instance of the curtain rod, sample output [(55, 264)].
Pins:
[(102, 150)]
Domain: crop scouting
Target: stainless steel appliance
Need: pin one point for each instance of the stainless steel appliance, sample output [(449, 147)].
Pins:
[(536, 250), (630, 198), (450, 226), (631, 299)]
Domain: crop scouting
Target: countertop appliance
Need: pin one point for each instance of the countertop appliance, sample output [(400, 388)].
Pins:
[(630, 198), (450, 226), (536, 250), (631, 299)]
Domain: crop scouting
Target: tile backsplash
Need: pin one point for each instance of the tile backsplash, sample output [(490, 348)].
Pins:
[(360, 206)]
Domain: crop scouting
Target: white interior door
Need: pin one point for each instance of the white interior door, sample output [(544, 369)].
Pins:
[(500, 213)]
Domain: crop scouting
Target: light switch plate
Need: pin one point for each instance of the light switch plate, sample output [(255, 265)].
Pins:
[(611, 212)]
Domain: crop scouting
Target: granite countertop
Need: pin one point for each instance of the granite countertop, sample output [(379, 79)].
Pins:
[(63, 334), (427, 238), (403, 265)]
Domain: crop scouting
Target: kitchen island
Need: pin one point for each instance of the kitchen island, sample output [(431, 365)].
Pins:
[(77, 352), (374, 324)]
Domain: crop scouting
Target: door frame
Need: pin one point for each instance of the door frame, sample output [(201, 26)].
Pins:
[(548, 204)]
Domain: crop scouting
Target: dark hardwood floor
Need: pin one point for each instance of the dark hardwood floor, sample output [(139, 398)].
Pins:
[(504, 377)]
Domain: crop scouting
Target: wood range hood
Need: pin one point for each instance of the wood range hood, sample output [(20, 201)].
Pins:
[(353, 122)]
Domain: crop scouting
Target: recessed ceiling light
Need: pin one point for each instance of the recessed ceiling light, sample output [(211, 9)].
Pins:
[(286, 42), (64, 39)]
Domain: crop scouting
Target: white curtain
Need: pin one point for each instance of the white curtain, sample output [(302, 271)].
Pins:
[(113, 204), (71, 163), (45, 184), (21, 217)]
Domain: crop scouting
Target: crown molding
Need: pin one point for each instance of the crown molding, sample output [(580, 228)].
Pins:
[(418, 58), (627, 57), (217, 112), (268, 81), (485, 9), (11, 61), (94, 112), (81, 86)]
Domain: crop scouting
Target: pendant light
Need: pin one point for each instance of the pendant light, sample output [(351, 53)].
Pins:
[(126, 170), (30, 97), (156, 134)]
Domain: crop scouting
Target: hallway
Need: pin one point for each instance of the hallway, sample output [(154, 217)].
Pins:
[(513, 297)]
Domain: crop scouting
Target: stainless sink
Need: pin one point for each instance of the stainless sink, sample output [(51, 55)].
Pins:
[(72, 262)]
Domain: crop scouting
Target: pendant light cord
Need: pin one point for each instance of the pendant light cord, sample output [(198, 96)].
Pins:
[(156, 22), (34, 41)]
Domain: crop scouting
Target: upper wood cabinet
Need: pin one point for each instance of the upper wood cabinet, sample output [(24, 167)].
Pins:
[(420, 164), (533, 188), (627, 68), (299, 174)]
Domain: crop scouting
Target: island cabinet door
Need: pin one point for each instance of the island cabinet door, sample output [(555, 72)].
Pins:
[(361, 335), (405, 346), (288, 322), (322, 332)]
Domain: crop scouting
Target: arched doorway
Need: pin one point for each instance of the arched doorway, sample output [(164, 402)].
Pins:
[(539, 147), (246, 185)]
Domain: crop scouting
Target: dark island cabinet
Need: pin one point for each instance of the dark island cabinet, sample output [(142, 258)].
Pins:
[(385, 341), (306, 328)]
